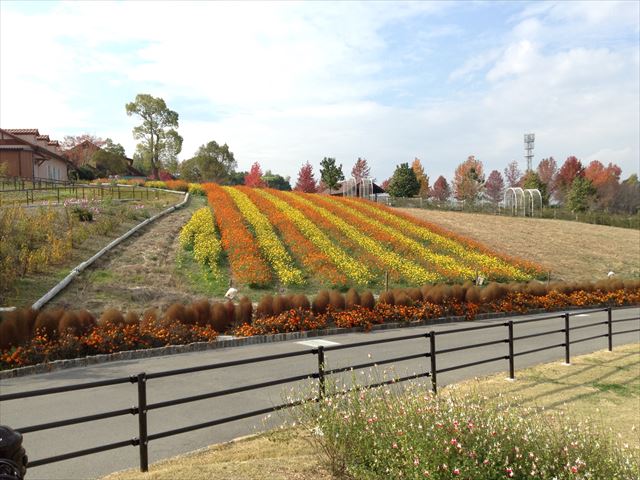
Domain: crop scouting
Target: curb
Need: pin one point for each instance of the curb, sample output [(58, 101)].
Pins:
[(255, 340)]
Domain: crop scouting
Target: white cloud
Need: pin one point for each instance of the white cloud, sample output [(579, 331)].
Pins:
[(289, 82)]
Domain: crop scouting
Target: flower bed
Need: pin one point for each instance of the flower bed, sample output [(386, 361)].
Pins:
[(28, 337)]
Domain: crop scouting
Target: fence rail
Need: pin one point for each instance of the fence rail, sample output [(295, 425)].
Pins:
[(142, 407)]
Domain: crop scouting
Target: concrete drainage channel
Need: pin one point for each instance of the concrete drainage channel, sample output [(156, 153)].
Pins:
[(225, 341)]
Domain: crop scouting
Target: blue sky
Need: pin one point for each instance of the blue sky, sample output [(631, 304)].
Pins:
[(283, 83)]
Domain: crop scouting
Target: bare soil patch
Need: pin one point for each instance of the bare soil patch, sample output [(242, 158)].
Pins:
[(571, 251), (138, 274)]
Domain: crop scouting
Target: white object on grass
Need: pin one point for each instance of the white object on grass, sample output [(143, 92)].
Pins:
[(231, 293)]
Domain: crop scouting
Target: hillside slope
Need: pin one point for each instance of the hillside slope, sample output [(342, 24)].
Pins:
[(570, 250)]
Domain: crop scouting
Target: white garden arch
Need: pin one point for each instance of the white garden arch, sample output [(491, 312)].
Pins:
[(527, 202)]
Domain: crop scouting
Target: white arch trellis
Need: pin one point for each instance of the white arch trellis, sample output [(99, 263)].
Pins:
[(362, 189), (527, 202)]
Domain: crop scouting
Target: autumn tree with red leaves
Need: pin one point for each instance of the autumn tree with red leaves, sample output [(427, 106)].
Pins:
[(468, 180), (513, 174), (547, 169), (605, 180), (361, 169), (494, 187), (440, 191), (306, 180), (254, 177), (570, 170)]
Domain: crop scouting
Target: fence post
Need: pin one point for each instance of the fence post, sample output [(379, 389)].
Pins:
[(321, 388), (142, 422), (567, 352), (432, 356), (512, 373), (610, 329)]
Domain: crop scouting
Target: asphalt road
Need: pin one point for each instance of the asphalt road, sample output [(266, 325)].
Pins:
[(36, 410)]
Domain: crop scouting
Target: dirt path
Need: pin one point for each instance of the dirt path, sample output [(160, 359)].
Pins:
[(137, 274), (570, 250)]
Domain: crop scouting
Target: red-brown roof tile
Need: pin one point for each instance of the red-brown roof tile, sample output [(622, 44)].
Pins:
[(23, 131)]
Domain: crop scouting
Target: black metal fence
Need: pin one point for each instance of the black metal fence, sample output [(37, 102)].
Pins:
[(433, 353)]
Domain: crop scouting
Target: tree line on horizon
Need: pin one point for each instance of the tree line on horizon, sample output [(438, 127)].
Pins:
[(573, 185)]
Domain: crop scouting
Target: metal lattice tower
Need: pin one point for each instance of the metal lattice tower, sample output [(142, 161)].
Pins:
[(529, 139)]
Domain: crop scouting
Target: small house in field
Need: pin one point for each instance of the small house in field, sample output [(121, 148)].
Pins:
[(27, 154)]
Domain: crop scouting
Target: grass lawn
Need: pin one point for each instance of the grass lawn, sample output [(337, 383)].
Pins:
[(604, 386)]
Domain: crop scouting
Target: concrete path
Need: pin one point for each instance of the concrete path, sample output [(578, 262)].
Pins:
[(30, 411)]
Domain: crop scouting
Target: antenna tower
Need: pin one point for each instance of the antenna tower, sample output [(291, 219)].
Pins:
[(529, 139)]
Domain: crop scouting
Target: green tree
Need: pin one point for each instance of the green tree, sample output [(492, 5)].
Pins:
[(110, 159), (273, 180), (404, 182), (580, 195), (212, 163), (157, 130), (330, 173), (532, 179)]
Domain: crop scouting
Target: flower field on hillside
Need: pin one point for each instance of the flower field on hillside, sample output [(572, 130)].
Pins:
[(274, 238)]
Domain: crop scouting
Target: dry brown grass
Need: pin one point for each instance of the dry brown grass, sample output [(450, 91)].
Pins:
[(604, 386), (570, 250), (253, 458)]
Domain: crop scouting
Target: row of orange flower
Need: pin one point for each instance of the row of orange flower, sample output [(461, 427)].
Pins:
[(305, 251), (246, 263)]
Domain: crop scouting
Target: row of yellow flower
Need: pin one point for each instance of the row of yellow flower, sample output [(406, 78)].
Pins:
[(199, 234), (444, 264), (490, 266), (352, 268), (407, 268), (270, 245)]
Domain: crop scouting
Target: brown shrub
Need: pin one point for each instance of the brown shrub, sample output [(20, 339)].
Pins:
[(367, 300), (631, 285), (336, 299), (473, 295), (131, 318), (112, 316), (424, 290), (614, 285), (70, 323), (402, 299), (280, 304), (457, 293), (190, 315), (47, 323), (87, 320), (467, 284), (265, 307), (386, 298), (9, 334), (435, 294), (219, 320), (175, 312), (320, 302), (203, 311), (300, 302), (26, 318), (536, 288), (244, 312), (492, 292), (415, 294), (230, 308), (352, 299), (150, 316)]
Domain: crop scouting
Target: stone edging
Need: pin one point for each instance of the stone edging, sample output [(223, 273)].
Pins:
[(237, 342)]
